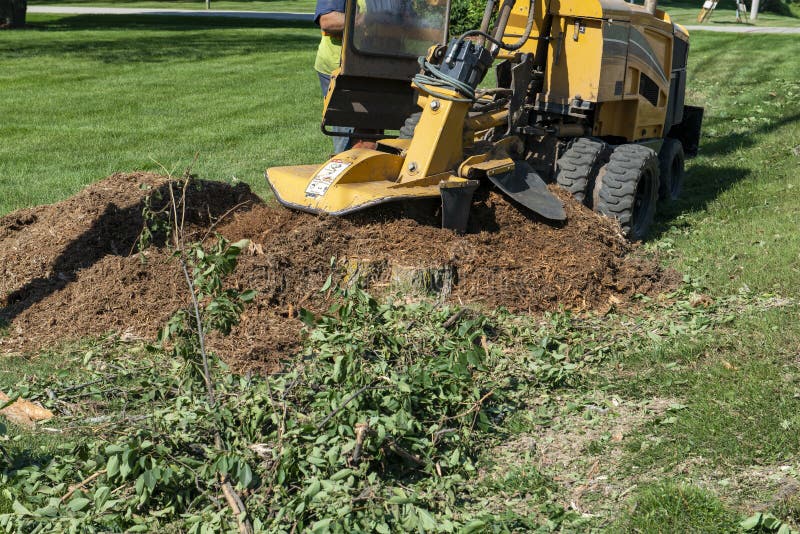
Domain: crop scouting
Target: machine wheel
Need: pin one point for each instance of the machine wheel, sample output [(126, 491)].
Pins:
[(627, 189), (407, 130), (577, 168), (671, 161)]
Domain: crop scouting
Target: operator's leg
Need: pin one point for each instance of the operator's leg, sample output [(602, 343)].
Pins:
[(340, 143)]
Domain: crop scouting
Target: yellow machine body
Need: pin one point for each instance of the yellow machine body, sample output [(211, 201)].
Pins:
[(609, 53), (401, 169), (609, 71)]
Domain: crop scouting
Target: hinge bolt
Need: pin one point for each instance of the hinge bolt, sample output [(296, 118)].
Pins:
[(435, 105), (412, 167)]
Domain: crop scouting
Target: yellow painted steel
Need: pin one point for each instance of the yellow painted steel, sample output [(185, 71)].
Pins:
[(599, 52), (591, 58), (437, 145), (348, 182), (359, 177)]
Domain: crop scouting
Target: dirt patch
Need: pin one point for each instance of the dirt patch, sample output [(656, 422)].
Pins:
[(71, 269)]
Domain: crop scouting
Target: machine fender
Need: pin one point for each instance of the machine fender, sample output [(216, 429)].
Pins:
[(525, 186)]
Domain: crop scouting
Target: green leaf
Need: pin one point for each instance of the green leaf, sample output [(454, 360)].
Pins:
[(77, 504), (112, 467), (307, 317), (247, 296), (245, 475), (427, 520), (322, 525), (341, 474), (150, 479), (19, 509), (751, 522), (101, 495), (475, 525), (124, 468), (312, 489), (327, 285), (139, 486), (48, 511), (114, 449)]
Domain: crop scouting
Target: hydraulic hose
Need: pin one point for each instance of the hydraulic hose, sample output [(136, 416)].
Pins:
[(525, 34), (432, 79), (487, 18), (502, 19)]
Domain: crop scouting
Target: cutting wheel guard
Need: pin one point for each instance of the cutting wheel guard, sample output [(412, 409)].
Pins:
[(525, 186)]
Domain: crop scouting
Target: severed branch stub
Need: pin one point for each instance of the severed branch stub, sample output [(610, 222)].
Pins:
[(362, 431), (403, 453), (453, 319)]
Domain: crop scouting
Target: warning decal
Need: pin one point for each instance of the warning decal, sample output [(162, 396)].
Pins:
[(325, 177)]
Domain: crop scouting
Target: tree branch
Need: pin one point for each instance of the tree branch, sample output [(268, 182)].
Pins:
[(82, 483)]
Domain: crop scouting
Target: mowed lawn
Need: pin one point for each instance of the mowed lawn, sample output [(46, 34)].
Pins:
[(681, 11), (87, 96), (84, 97), (292, 6), (686, 11)]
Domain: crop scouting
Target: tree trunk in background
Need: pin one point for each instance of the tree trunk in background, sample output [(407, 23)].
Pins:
[(12, 12), (754, 10)]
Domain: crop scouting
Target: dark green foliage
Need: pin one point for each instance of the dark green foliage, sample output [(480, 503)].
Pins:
[(422, 397), (465, 15), (781, 7), (12, 13)]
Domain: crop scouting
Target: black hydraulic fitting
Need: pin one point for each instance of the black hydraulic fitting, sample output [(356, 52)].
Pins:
[(466, 61)]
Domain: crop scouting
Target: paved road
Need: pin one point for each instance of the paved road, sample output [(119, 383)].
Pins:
[(264, 15), (303, 17)]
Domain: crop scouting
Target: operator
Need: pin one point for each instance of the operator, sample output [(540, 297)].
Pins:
[(329, 16)]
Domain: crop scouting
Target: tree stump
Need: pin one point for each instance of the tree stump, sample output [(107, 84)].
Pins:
[(368, 273)]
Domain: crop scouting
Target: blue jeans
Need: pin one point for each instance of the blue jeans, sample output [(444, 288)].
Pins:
[(340, 143)]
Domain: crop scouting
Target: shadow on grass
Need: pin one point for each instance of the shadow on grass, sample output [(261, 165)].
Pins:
[(162, 23), (734, 141), (125, 39), (704, 183)]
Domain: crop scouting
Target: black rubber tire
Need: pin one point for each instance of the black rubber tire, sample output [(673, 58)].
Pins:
[(627, 189), (407, 130), (577, 167), (671, 166)]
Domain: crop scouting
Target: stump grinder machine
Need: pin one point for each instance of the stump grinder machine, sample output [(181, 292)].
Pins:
[(588, 94)]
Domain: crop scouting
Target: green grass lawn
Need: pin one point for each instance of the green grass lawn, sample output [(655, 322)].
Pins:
[(686, 11), (87, 96), (292, 6), (682, 11), (84, 97)]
